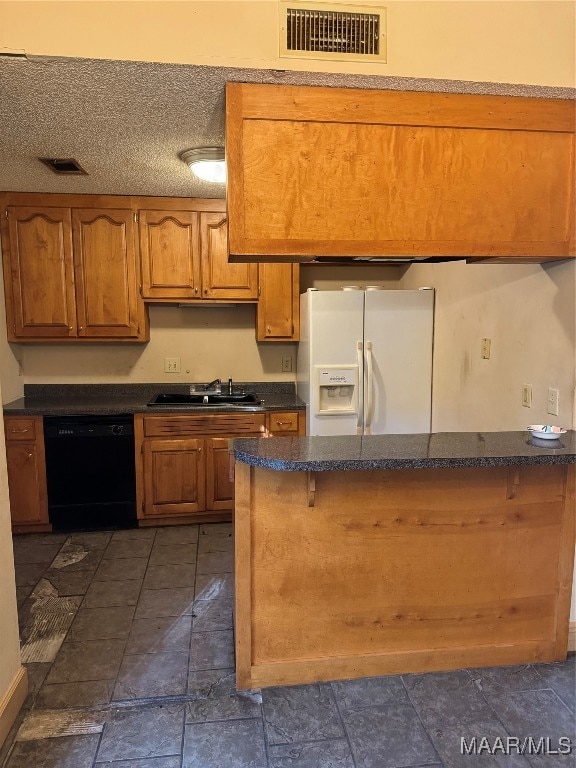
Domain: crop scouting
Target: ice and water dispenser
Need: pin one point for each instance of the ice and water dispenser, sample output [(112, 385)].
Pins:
[(337, 389)]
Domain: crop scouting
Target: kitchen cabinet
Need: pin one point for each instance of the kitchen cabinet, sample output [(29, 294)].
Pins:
[(278, 313), (183, 461), (71, 273), (26, 474), (343, 172), (185, 257)]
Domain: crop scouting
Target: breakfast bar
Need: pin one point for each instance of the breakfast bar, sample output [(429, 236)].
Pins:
[(361, 556)]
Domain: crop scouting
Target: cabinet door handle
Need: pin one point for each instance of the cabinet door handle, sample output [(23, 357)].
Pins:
[(14, 431)]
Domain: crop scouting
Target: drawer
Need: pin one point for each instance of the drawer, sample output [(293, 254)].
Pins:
[(205, 424), (283, 421), (18, 428)]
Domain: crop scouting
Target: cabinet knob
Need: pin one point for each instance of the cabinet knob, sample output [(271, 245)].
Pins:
[(70, 328), (268, 329), (30, 455), (195, 290), (81, 328)]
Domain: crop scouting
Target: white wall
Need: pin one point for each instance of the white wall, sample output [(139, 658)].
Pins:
[(9, 640), (506, 41), (529, 314), (211, 342)]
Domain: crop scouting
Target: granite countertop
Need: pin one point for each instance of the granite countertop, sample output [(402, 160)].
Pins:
[(442, 449), (112, 399)]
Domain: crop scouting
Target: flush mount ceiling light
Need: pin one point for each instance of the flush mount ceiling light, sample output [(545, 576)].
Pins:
[(207, 163)]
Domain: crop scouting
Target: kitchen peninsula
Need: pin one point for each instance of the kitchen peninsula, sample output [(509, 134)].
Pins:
[(359, 556)]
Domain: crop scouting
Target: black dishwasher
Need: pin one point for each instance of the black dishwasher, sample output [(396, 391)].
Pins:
[(90, 471)]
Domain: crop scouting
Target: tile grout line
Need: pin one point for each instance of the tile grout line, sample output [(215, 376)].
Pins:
[(420, 719), (183, 737), (345, 729)]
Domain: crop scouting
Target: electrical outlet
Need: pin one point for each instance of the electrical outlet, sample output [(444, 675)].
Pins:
[(485, 349), (553, 396), (286, 364), (527, 395), (171, 365)]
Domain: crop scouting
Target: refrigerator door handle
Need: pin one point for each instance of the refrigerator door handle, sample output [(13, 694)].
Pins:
[(369, 386), (359, 356)]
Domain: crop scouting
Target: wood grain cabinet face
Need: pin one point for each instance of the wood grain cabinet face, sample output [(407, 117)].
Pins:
[(170, 254), (105, 273), (340, 172), (174, 477), (26, 473), (71, 274), (219, 486), (278, 313), (220, 279), (183, 461), (39, 273)]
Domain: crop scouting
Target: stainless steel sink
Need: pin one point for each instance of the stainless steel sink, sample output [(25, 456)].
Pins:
[(236, 399)]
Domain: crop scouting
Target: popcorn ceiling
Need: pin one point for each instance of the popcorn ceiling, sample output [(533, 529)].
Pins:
[(127, 122)]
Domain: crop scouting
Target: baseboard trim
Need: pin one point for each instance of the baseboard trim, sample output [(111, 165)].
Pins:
[(12, 702), (572, 636)]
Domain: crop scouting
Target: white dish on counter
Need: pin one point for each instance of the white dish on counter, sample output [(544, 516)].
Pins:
[(546, 432)]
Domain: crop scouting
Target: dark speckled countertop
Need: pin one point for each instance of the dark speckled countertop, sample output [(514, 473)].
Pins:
[(103, 399), (442, 449)]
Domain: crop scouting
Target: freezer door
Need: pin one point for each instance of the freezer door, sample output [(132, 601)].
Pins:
[(334, 329), (398, 337)]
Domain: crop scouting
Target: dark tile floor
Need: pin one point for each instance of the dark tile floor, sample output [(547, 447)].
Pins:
[(128, 641)]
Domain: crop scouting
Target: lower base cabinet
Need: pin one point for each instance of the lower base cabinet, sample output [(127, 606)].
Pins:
[(26, 474), (183, 462)]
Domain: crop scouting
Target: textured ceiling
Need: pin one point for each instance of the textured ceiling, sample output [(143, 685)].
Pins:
[(126, 122)]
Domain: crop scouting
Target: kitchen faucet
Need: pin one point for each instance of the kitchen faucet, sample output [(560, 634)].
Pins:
[(213, 385)]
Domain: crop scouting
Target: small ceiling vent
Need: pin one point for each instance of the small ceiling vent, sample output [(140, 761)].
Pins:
[(66, 167), (332, 31)]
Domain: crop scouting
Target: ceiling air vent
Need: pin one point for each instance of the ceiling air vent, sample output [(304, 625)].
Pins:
[(66, 167), (332, 31)]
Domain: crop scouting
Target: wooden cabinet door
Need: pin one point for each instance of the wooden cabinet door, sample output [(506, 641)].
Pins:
[(278, 314), (342, 171), (220, 279), (219, 486), (105, 267), (39, 273), (26, 472), (174, 477), (170, 254)]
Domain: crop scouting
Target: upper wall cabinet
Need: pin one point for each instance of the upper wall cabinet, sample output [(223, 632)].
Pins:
[(185, 257), (345, 172), (278, 313), (71, 273)]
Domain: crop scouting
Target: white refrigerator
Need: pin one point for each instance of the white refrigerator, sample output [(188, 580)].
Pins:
[(365, 361)]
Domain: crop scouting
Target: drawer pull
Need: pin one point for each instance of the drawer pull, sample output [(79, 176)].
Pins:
[(284, 423), (14, 431)]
